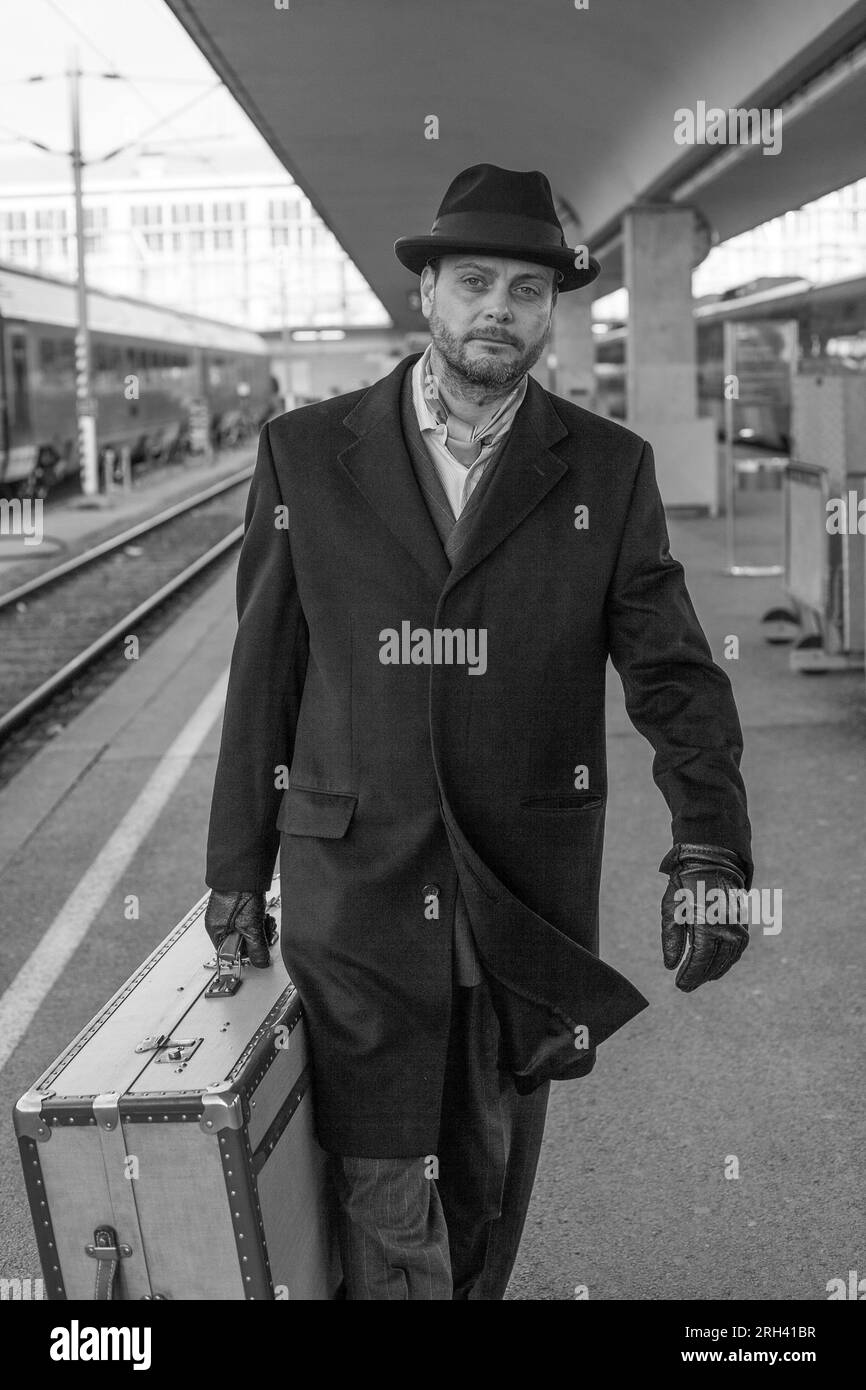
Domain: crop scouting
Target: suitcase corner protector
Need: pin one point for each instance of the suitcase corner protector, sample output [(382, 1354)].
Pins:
[(222, 1108), (28, 1118)]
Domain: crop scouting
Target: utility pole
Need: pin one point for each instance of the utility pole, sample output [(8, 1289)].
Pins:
[(85, 405)]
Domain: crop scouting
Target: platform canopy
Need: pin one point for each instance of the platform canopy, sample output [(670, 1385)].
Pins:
[(342, 90)]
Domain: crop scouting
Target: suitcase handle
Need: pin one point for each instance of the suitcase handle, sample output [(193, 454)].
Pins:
[(229, 966), (107, 1254), (230, 962)]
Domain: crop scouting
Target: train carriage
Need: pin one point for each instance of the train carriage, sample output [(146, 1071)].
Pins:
[(152, 368), (831, 338)]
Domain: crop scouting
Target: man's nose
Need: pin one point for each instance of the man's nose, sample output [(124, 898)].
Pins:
[(498, 307)]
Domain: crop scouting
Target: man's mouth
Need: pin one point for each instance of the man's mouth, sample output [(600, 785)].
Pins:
[(500, 342)]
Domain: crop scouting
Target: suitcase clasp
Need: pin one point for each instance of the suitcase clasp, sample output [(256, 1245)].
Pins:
[(170, 1049)]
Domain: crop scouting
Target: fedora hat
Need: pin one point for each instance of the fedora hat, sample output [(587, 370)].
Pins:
[(502, 212)]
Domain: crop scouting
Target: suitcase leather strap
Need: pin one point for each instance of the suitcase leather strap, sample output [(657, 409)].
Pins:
[(107, 1254)]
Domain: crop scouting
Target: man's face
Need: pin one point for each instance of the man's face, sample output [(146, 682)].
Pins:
[(489, 317)]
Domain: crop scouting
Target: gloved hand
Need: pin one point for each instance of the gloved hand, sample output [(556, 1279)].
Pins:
[(245, 914), (703, 950)]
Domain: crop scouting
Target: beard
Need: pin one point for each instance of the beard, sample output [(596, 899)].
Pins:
[(493, 371)]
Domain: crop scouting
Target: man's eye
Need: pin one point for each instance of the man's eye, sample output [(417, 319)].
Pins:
[(475, 278), (531, 289)]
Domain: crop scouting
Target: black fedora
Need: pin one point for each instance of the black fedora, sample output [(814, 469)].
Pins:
[(502, 212)]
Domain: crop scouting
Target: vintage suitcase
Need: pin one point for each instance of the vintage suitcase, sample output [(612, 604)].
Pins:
[(169, 1151)]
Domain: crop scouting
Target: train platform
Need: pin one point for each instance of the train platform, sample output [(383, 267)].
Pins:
[(73, 523), (102, 839)]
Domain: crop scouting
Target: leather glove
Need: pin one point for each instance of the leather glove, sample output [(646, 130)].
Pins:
[(243, 913), (703, 950)]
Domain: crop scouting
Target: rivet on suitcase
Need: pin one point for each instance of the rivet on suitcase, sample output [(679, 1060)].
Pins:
[(169, 1150)]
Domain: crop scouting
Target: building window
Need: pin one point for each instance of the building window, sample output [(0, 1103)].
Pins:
[(283, 210), (14, 221), (95, 219), (279, 236), (94, 244), (187, 212), (146, 215), (228, 212), (223, 241), (51, 219), (153, 241), (196, 241)]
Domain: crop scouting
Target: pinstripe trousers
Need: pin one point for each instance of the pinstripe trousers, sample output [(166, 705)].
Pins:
[(447, 1225)]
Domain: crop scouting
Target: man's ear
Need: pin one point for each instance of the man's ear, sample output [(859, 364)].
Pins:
[(428, 282)]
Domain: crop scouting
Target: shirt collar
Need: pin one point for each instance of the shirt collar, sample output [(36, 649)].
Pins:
[(433, 413)]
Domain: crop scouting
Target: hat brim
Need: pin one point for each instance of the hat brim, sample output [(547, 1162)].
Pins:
[(415, 251)]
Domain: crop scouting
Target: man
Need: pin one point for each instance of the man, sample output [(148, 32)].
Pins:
[(424, 648)]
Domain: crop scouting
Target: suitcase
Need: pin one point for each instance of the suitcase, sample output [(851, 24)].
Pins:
[(169, 1151)]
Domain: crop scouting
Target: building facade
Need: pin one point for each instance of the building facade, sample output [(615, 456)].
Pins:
[(239, 242)]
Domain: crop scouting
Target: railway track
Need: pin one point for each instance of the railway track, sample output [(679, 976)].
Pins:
[(58, 624)]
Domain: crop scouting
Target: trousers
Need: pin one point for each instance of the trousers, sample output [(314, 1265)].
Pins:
[(447, 1225)]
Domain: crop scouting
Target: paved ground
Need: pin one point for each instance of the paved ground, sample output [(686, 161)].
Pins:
[(632, 1199), (765, 1065)]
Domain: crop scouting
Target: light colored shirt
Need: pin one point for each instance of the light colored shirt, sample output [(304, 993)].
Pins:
[(460, 451)]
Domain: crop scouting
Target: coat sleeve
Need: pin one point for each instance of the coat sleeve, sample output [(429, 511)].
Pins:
[(675, 694), (266, 682)]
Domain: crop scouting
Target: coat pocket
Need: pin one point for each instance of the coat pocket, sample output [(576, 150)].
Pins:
[(563, 801), (306, 811)]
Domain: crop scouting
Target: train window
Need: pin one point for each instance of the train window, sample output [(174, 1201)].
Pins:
[(20, 386), (107, 358), (57, 362)]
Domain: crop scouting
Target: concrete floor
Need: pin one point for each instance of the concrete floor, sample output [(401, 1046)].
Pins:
[(765, 1065)]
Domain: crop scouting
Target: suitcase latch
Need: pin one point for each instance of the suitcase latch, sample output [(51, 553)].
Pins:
[(169, 1049)]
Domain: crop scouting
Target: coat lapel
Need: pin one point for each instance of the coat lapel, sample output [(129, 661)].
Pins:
[(379, 465), (526, 471)]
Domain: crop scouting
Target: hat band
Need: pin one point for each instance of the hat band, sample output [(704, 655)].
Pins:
[(503, 227)]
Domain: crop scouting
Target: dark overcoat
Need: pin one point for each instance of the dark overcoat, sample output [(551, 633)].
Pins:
[(406, 775)]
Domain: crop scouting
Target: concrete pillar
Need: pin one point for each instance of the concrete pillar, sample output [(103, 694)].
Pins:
[(573, 349), (661, 247)]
